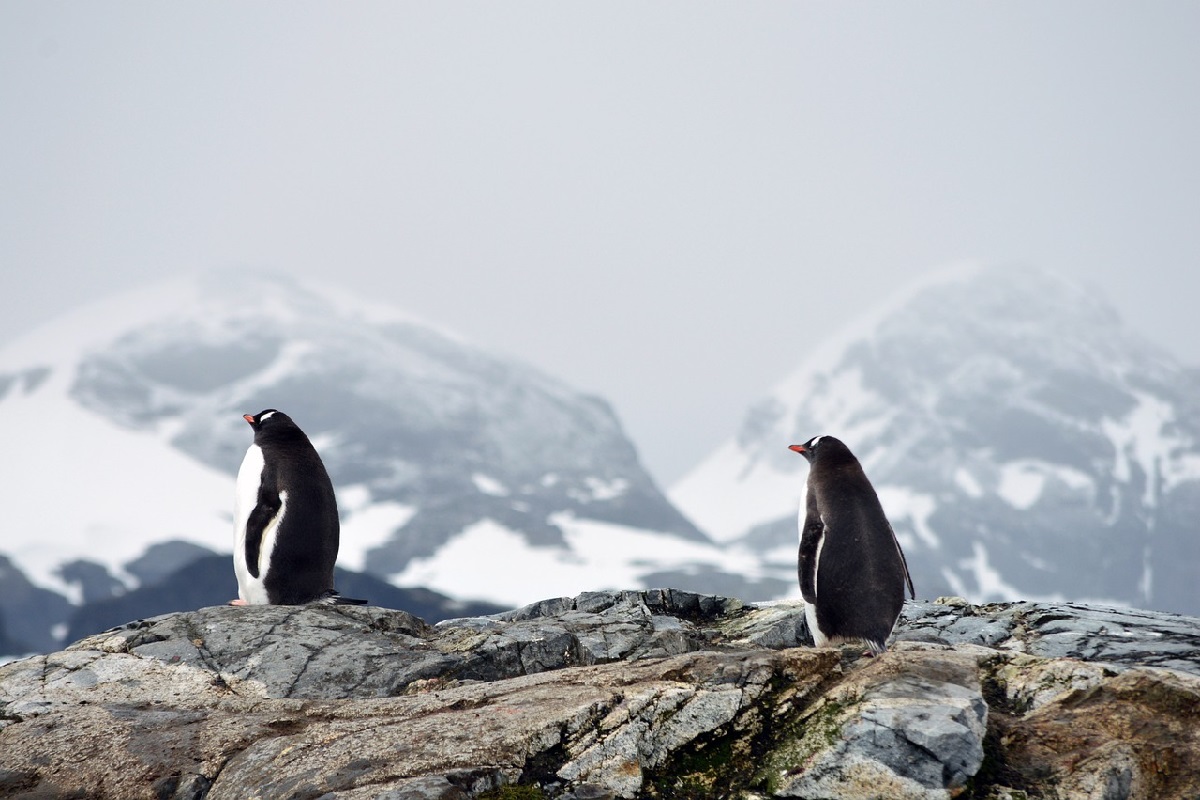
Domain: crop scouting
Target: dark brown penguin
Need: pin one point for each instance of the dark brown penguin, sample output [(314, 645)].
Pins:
[(852, 570)]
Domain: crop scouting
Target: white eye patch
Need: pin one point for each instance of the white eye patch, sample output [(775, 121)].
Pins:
[(264, 417)]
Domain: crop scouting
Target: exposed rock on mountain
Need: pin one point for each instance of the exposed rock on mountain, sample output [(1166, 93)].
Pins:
[(610, 694), (30, 613), (1024, 444)]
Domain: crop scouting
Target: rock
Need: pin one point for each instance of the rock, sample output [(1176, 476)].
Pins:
[(662, 694), (913, 722)]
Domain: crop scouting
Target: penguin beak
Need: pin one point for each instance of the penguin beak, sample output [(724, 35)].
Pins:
[(796, 448), (249, 418)]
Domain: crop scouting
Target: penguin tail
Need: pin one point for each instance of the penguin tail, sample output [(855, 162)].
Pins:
[(333, 598)]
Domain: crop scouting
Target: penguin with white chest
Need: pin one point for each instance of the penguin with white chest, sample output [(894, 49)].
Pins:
[(286, 540), (852, 570)]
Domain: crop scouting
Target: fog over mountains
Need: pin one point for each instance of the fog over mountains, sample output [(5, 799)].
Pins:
[(1024, 444)]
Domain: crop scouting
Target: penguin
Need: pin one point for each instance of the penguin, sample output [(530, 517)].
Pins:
[(285, 512), (851, 568)]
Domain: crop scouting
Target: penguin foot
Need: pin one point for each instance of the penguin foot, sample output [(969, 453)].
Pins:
[(238, 602)]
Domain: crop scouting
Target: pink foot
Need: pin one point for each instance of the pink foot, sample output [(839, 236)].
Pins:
[(238, 602)]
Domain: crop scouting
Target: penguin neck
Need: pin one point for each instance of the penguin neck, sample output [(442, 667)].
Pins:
[(844, 466), (281, 436)]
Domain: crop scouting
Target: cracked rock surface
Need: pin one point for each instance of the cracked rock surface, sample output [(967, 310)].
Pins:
[(657, 694)]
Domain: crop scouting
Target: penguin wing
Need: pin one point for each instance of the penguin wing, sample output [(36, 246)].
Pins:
[(265, 510), (810, 546)]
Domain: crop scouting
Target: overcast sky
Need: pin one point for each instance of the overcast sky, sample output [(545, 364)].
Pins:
[(663, 203)]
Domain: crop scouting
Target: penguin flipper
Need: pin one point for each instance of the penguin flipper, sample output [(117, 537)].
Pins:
[(810, 545), (265, 511)]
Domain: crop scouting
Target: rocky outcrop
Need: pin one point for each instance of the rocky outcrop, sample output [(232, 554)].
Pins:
[(660, 694)]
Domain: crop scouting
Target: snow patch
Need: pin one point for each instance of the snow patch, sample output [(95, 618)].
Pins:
[(903, 503), (990, 584), (366, 525), (1144, 438), (496, 563), (63, 512), (964, 480), (1021, 484), (489, 485), (729, 493), (607, 490)]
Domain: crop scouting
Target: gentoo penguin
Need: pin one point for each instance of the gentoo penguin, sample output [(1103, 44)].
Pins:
[(852, 570), (286, 514)]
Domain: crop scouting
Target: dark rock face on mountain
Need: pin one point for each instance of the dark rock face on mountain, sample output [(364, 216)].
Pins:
[(655, 694), (1023, 442), (29, 613)]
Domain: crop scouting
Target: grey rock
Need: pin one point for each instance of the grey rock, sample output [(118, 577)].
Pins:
[(606, 695), (1062, 630)]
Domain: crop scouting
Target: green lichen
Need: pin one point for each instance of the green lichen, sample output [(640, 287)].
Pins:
[(814, 732), (706, 771), (723, 763), (514, 792)]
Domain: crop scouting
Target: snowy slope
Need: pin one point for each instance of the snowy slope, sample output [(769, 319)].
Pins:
[(79, 485), (62, 501), (1023, 442), (455, 468)]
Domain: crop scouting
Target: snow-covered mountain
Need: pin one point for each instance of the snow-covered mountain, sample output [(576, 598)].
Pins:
[(1025, 445), (1023, 442), (456, 470)]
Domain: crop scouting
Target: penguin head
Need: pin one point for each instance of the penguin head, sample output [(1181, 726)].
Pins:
[(268, 419), (823, 447)]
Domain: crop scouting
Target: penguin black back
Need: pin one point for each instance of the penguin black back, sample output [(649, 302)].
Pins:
[(288, 531), (852, 571)]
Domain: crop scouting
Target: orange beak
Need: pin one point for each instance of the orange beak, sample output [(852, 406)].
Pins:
[(797, 448), (249, 418)]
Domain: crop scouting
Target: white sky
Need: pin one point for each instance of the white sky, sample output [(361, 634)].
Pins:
[(662, 203)]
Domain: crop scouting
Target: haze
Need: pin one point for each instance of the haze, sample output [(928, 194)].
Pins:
[(665, 204)]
